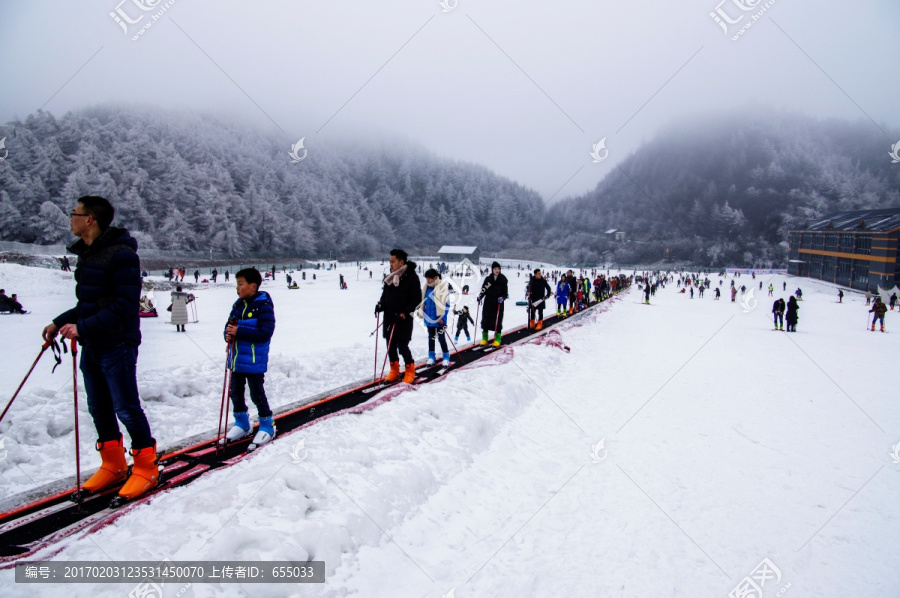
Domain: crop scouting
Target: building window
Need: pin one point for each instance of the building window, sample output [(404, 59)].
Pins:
[(815, 266), (844, 268), (861, 272), (818, 242), (828, 267), (831, 242), (864, 244), (847, 243)]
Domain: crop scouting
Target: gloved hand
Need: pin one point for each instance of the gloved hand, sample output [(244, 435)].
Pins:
[(378, 308), (480, 299), (499, 299)]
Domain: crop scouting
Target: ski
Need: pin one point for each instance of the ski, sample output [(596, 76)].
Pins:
[(379, 387)]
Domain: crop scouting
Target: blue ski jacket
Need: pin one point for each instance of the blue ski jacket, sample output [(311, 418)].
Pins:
[(562, 291), (432, 320), (256, 324)]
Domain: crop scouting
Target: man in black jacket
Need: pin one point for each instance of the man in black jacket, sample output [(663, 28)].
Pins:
[(400, 297), (538, 290), (105, 321), (494, 291), (778, 313)]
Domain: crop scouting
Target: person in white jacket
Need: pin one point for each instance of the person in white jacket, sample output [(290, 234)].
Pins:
[(433, 310), (179, 308)]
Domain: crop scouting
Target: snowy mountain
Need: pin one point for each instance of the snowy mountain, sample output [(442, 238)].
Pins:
[(190, 182), (725, 189)]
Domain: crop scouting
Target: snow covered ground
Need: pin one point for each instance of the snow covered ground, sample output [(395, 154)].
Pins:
[(723, 443)]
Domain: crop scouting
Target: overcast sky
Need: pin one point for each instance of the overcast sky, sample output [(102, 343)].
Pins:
[(524, 87)]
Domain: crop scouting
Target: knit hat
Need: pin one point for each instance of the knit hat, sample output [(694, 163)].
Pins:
[(495, 265)]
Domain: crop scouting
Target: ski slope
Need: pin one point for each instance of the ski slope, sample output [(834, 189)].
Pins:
[(723, 443)]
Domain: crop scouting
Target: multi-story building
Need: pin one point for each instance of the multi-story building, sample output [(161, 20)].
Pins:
[(857, 249)]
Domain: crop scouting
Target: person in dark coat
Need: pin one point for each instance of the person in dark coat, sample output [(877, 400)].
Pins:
[(573, 290), (792, 316), (494, 291), (538, 291), (879, 309), (400, 297), (106, 323), (778, 313)]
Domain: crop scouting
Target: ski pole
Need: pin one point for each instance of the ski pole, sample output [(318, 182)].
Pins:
[(475, 323), (375, 366), (33, 365), (77, 438), (388, 352), (378, 316), (225, 388), (456, 351)]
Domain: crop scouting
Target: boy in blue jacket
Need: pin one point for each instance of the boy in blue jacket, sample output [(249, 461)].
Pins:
[(562, 296), (249, 330)]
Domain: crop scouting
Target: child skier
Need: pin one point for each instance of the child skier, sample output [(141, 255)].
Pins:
[(562, 296), (249, 331), (462, 324), (433, 310)]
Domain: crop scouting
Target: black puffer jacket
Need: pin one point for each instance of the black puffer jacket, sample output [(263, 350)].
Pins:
[(401, 299), (108, 289), (538, 290)]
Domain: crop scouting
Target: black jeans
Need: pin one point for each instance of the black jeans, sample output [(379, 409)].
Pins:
[(399, 342), (110, 379), (779, 320), (442, 338), (257, 393)]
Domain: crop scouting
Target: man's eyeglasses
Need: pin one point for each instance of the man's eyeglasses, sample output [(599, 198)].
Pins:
[(74, 214)]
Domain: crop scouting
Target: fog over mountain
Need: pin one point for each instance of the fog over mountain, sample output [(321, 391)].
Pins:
[(712, 191), (725, 189)]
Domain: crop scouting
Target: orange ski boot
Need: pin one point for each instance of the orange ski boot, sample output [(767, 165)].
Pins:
[(144, 473), (539, 325), (394, 374), (113, 468), (409, 376)]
